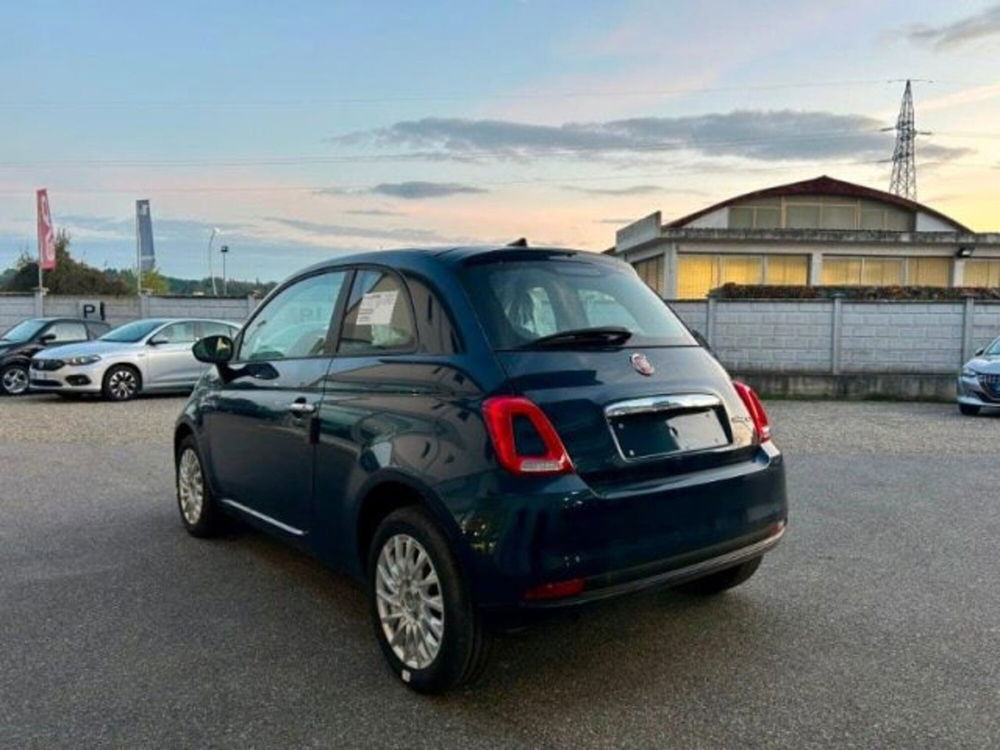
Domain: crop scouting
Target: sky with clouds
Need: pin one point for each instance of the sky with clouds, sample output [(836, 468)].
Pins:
[(305, 129)]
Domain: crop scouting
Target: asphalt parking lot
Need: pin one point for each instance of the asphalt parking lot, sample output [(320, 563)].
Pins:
[(876, 623)]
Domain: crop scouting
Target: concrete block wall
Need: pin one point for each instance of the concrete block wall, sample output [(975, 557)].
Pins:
[(985, 323), (117, 310), (894, 337), (14, 308), (798, 336), (236, 309), (773, 336)]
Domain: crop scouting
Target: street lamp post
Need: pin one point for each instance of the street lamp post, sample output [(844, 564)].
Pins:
[(211, 272), (225, 286)]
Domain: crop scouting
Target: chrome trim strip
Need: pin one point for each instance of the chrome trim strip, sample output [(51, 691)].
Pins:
[(260, 516), (673, 402)]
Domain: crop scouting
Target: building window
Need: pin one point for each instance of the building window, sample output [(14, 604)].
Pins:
[(651, 271), (875, 271), (982, 273), (820, 212), (700, 273)]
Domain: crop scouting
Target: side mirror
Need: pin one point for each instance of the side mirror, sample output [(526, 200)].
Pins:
[(158, 341), (213, 350), (980, 351), (48, 338)]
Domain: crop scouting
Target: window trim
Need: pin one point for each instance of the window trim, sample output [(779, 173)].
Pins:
[(348, 280), (354, 270)]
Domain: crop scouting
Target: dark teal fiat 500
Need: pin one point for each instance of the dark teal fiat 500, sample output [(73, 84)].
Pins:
[(479, 435)]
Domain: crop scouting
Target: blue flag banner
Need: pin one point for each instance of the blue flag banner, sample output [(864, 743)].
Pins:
[(144, 235)]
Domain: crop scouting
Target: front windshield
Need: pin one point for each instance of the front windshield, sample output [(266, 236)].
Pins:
[(132, 332), (522, 301), (23, 331), (993, 349)]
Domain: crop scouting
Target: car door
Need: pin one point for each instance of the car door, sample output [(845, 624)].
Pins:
[(169, 360), (260, 423)]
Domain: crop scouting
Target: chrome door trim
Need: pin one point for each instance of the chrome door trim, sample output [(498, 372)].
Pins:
[(673, 402), (260, 516)]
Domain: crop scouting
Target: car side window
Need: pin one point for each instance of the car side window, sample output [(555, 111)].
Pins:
[(296, 322), (437, 332), (65, 332), (177, 333), (217, 329), (379, 316)]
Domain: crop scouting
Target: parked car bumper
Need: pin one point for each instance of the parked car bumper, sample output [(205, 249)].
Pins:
[(613, 542), (68, 379)]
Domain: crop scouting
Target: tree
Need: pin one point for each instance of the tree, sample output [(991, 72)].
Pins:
[(69, 277)]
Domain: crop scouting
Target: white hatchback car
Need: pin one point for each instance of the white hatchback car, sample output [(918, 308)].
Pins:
[(145, 355)]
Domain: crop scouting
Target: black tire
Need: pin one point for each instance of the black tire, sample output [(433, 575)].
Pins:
[(14, 380), (968, 409), (716, 583), (121, 383), (208, 520), (464, 644)]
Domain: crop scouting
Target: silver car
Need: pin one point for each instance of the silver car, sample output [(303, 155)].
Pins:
[(141, 356), (979, 383)]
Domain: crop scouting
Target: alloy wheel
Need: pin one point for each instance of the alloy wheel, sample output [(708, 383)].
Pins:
[(190, 486), (409, 600), (15, 381), (123, 384)]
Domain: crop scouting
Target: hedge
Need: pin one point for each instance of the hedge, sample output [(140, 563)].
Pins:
[(763, 291)]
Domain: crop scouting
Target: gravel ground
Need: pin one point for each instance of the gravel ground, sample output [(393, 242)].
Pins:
[(874, 624)]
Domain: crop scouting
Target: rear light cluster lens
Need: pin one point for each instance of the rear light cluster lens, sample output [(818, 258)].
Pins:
[(752, 402), (559, 590), (500, 414)]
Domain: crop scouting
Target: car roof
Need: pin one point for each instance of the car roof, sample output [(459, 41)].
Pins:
[(456, 255)]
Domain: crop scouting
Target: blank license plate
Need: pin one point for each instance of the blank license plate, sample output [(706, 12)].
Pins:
[(657, 434)]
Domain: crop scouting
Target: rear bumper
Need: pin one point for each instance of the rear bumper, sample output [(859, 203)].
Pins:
[(650, 534)]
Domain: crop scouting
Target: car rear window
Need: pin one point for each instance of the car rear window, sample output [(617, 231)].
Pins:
[(524, 300)]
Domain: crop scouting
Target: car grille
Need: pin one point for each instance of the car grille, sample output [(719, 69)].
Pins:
[(990, 383), (46, 365)]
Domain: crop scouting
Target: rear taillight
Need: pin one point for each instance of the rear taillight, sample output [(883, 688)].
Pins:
[(500, 414), (752, 402)]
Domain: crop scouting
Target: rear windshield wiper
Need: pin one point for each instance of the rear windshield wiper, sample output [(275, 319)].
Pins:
[(600, 335)]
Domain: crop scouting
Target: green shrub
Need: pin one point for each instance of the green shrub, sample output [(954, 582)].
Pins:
[(760, 291)]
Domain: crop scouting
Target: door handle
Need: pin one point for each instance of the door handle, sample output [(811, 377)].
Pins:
[(301, 408)]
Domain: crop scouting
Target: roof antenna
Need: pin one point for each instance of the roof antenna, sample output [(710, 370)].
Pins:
[(519, 242)]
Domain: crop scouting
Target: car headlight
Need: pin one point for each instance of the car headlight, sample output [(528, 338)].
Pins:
[(87, 359), (968, 372)]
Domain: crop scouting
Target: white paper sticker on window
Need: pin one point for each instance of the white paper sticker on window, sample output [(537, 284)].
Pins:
[(376, 308)]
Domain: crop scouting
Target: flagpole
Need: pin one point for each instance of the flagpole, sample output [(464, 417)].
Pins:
[(138, 257)]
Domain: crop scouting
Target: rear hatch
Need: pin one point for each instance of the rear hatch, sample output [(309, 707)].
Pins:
[(625, 384), (619, 425)]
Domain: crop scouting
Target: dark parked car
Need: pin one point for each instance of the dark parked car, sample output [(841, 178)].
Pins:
[(479, 435), (27, 338)]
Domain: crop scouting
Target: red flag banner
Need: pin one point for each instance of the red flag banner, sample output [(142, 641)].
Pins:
[(46, 233)]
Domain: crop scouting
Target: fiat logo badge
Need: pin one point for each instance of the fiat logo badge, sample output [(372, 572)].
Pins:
[(642, 364)]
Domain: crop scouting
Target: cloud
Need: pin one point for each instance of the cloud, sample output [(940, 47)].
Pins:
[(762, 135), (977, 26), (631, 190), (396, 234), (373, 212), (412, 190), (417, 189)]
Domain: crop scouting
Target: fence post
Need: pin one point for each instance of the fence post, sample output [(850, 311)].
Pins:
[(836, 334), (39, 303), (968, 319), (143, 305), (710, 321)]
